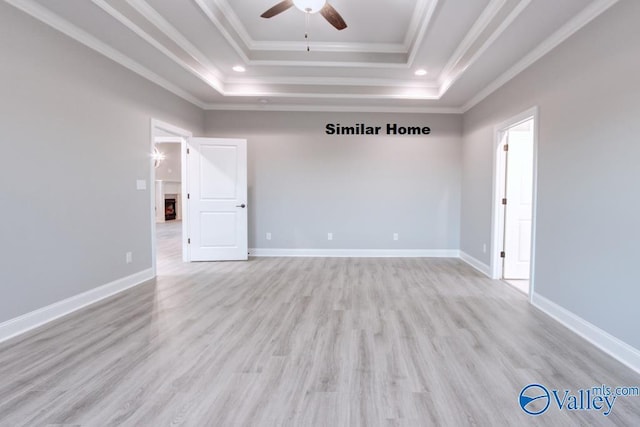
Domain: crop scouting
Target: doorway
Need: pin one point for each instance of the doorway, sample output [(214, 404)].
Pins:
[(514, 201), (169, 213)]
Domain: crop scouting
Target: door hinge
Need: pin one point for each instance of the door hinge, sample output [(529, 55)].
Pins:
[(188, 151), (502, 254), (188, 196), (189, 241), (504, 201), (506, 147)]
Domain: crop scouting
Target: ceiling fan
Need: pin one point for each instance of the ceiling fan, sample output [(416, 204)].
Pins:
[(309, 7)]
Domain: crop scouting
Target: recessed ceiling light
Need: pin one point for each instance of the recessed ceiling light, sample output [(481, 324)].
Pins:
[(263, 101), (239, 69), (421, 72)]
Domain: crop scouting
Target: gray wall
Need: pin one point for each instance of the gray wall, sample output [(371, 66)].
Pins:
[(170, 169), (74, 140), (588, 215), (304, 183)]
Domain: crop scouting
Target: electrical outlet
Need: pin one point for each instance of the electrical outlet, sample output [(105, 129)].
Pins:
[(268, 236), (330, 236), (395, 236), (128, 257)]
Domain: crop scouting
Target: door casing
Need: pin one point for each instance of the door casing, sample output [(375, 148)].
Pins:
[(160, 129), (499, 177)]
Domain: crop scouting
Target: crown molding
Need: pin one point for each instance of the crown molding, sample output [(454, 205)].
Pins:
[(234, 21), (149, 13), (418, 38), (449, 80), (413, 37), (210, 80), (324, 95), (282, 46), (336, 81), (478, 27), (587, 15), (42, 14), (327, 64), (223, 30), (331, 108)]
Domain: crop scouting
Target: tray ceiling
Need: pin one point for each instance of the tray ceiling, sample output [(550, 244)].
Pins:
[(190, 47)]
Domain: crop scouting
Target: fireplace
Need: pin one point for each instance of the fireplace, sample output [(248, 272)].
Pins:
[(169, 209)]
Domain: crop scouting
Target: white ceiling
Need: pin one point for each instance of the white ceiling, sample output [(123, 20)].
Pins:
[(468, 47)]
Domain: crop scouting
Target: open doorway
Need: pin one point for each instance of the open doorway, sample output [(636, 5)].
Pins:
[(514, 222), (168, 208)]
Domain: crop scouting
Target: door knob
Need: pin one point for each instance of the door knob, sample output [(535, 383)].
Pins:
[(241, 206)]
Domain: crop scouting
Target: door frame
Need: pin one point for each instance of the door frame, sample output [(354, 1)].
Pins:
[(159, 130), (499, 185)]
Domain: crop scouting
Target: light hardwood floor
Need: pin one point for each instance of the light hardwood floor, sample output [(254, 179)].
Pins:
[(303, 342)]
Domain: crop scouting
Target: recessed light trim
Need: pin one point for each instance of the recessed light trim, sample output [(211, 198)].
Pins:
[(420, 72), (239, 69)]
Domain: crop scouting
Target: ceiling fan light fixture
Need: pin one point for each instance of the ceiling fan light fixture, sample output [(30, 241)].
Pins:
[(310, 6)]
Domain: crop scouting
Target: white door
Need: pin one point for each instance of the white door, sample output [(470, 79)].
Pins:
[(217, 197), (519, 195)]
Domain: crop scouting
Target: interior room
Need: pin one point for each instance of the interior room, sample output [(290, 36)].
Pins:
[(313, 213)]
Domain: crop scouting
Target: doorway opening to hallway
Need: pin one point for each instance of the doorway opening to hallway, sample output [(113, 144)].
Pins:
[(514, 201)]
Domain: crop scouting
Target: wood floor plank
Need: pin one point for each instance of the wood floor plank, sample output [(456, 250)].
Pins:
[(302, 342)]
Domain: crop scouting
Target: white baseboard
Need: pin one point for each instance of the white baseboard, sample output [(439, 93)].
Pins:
[(356, 253), (475, 263), (34, 319), (611, 345)]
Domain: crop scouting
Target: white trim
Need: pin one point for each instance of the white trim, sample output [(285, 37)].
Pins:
[(381, 48), (236, 25), (418, 28), (331, 108), (475, 263), (502, 27), (41, 316), (497, 214), (146, 10), (583, 18), (335, 81), (167, 139), (606, 342), (315, 95), (183, 135), (476, 30), (54, 21), (329, 64), (204, 75), (497, 210), (356, 253), (414, 35), (223, 30)]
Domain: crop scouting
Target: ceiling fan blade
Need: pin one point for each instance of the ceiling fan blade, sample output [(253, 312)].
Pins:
[(277, 9), (332, 15)]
